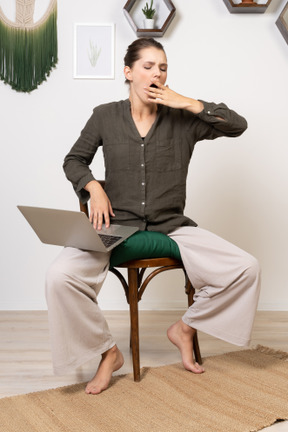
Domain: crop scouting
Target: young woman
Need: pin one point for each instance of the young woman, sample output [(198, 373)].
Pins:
[(148, 141)]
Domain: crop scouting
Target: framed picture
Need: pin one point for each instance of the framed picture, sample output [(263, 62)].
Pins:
[(282, 22), (94, 51)]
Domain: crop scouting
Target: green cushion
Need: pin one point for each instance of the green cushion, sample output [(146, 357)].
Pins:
[(144, 244)]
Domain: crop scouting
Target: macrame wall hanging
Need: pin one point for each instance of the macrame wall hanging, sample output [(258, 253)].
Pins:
[(28, 50)]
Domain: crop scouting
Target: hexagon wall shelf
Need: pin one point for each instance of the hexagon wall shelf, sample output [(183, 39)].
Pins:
[(246, 7), (133, 12), (282, 23)]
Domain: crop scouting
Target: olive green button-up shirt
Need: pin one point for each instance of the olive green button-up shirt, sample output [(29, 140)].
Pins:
[(146, 177)]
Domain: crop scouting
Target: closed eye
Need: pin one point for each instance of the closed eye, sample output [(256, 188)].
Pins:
[(162, 67)]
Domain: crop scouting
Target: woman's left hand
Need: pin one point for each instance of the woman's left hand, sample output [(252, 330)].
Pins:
[(163, 95)]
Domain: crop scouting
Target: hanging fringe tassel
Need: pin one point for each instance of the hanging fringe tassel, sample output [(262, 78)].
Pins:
[(27, 55), (282, 355)]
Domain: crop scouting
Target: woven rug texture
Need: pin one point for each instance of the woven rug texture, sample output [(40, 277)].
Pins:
[(243, 391)]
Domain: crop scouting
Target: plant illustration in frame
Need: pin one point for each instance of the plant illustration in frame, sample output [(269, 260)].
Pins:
[(94, 51)]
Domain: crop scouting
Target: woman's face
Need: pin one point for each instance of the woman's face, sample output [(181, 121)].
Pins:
[(148, 69)]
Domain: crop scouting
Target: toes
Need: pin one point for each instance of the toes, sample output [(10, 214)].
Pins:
[(193, 367), (91, 390), (198, 369), (95, 389)]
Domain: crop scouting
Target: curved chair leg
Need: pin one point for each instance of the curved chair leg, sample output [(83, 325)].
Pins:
[(133, 302), (196, 349)]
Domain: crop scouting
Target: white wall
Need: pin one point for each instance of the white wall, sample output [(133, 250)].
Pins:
[(237, 188)]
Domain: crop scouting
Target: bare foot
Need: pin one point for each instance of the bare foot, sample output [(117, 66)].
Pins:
[(111, 361), (181, 335)]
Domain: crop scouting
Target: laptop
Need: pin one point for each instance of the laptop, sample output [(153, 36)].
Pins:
[(72, 228)]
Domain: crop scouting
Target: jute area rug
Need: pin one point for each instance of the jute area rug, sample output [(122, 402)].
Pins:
[(240, 391)]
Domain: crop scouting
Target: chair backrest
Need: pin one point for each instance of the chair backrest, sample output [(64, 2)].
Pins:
[(84, 208)]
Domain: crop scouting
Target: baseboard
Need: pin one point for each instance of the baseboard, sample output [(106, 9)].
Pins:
[(23, 306), (144, 305), (122, 305), (277, 306), (181, 305)]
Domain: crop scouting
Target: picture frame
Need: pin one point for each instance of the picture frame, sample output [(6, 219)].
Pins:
[(282, 22), (94, 50)]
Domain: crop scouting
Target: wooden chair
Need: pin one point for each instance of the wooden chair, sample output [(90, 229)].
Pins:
[(134, 288)]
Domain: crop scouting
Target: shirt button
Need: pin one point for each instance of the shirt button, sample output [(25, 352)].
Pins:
[(143, 203), (142, 145), (143, 184), (208, 112), (142, 165)]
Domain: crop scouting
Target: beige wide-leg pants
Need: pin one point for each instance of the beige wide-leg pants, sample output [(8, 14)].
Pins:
[(227, 284), (78, 329), (226, 279)]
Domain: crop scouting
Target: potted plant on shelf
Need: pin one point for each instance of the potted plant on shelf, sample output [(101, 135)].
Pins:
[(149, 13)]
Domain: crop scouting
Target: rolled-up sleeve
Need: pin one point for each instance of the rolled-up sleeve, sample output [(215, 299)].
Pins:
[(223, 119)]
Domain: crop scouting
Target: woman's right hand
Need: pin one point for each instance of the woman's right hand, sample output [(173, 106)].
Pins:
[(100, 205)]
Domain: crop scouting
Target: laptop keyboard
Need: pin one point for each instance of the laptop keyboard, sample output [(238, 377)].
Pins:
[(109, 240)]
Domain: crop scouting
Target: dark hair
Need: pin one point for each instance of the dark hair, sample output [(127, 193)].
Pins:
[(133, 50)]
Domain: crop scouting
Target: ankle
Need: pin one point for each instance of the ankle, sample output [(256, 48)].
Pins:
[(110, 351), (186, 329)]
